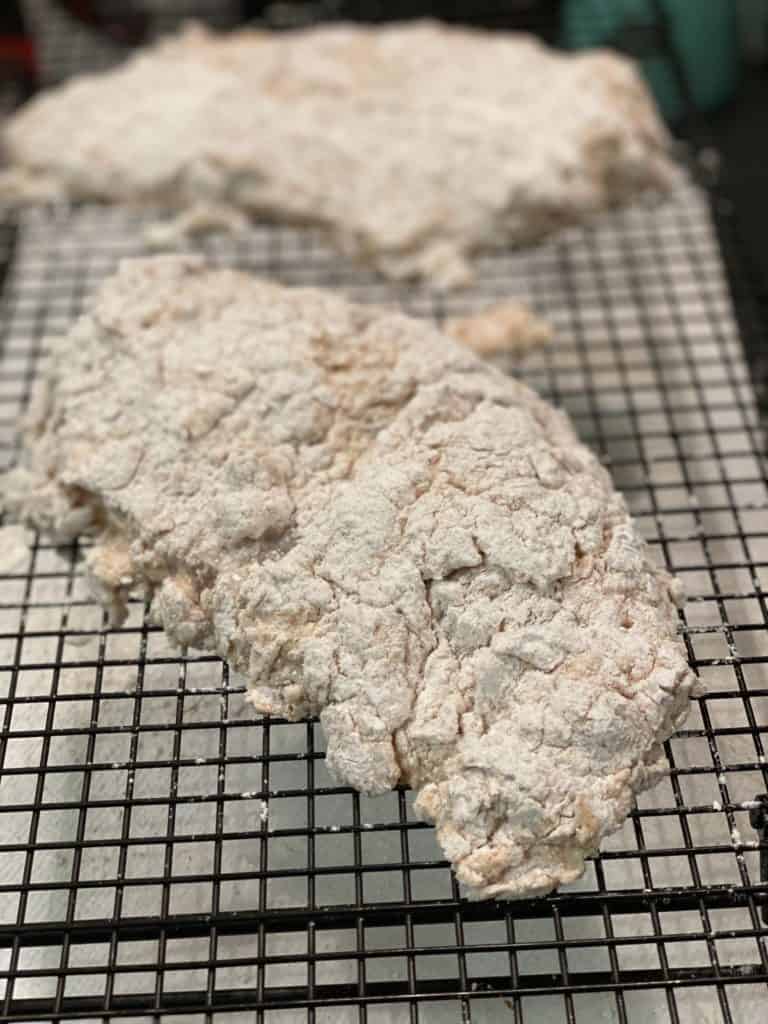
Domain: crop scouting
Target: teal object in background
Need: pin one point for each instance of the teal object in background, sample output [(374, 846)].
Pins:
[(704, 35)]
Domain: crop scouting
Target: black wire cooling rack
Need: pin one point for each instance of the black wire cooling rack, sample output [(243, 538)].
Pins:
[(166, 855), (164, 852)]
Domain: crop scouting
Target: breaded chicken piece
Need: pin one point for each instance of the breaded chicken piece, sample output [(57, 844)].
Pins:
[(374, 526), (414, 145)]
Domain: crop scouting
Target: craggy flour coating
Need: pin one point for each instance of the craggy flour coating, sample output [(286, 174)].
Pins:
[(374, 526), (414, 145)]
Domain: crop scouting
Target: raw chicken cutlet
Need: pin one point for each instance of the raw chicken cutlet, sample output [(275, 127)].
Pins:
[(414, 145), (373, 526)]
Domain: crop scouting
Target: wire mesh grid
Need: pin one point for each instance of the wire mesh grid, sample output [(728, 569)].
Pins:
[(166, 854)]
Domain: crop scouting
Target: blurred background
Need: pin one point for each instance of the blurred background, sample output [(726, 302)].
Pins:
[(711, 40), (706, 62)]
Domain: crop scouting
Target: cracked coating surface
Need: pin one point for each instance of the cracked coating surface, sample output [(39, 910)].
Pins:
[(415, 145), (374, 526)]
